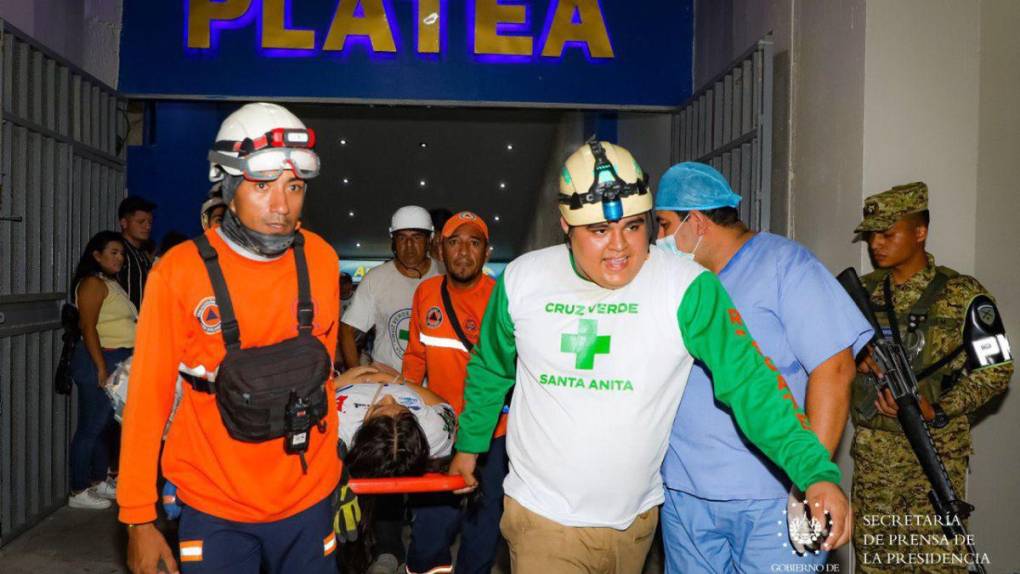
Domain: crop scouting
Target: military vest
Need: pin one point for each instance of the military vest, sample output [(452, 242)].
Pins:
[(934, 374)]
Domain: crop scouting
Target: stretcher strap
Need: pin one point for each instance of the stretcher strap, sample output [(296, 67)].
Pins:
[(431, 482)]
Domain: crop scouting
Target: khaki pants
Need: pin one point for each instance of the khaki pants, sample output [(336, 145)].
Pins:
[(541, 546)]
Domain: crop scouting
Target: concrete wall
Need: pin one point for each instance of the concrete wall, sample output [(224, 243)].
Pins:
[(996, 462), (828, 110), (86, 32), (921, 112), (545, 223)]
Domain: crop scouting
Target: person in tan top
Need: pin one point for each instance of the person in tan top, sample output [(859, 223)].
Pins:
[(107, 322)]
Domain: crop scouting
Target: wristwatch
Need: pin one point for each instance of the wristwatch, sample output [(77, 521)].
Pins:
[(940, 419)]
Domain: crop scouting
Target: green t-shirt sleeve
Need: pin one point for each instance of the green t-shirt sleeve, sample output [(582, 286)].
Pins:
[(491, 372), (750, 385)]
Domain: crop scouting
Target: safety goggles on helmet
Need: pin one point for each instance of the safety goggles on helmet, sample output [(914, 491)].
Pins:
[(266, 157), (269, 164), (607, 187)]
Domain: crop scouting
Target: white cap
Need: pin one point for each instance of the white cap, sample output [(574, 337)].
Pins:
[(411, 217)]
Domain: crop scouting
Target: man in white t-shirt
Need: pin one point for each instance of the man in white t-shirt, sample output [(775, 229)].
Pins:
[(383, 299), (597, 338)]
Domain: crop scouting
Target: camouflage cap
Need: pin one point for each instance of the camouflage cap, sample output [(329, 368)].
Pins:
[(882, 210)]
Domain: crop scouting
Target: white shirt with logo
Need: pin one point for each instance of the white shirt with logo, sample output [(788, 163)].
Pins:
[(438, 421), (579, 385), (383, 300)]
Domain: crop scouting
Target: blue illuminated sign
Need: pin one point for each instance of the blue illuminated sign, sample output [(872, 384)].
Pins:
[(607, 53)]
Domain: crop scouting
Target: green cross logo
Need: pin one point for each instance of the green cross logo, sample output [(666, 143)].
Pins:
[(404, 335), (585, 344)]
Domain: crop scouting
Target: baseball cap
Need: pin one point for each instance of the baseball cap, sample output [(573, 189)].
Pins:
[(464, 218)]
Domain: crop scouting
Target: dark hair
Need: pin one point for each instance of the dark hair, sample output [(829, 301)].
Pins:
[(171, 239), (87, 264), (132, 203), (651, 225), (384, 447), (721, 216), (389, 446), (439, 217), (921, 217)]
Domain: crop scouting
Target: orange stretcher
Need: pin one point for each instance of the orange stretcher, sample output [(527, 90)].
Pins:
[(430, 482)]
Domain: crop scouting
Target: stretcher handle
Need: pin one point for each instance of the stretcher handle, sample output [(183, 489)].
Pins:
[(430, 482)]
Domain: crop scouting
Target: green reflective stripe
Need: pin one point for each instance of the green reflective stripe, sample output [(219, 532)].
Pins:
[(491, 372), (744, 381)]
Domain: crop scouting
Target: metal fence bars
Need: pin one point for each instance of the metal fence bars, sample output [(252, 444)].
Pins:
[(62, 178), (728, 124)]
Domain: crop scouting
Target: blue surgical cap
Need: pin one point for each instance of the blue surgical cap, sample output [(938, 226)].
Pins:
[(691, 185)]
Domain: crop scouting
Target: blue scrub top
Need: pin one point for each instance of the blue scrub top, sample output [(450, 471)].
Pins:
[(800, 316)]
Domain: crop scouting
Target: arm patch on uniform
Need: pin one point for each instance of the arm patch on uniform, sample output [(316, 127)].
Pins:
[(984, 336)]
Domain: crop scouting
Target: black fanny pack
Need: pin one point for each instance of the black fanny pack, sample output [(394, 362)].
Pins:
[(276, 391)]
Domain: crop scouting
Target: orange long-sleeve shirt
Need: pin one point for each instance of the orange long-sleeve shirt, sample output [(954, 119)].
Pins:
[(179, 327), (433, 349)]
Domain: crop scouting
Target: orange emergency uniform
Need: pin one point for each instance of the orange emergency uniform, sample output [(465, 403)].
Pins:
[(433, 348), (179, 327)]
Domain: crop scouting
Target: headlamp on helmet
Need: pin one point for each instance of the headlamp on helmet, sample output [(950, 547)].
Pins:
[(616, 196)]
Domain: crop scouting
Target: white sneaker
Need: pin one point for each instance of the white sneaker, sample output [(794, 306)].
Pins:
[(106, 489), (384, 564), (88, 500)]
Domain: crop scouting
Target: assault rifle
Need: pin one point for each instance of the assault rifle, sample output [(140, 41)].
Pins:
[(899, 378)]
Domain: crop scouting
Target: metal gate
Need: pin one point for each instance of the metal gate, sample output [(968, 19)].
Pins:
[(728, 124), (62, 177)]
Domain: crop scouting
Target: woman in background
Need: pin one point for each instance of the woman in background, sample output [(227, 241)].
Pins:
[(107, 321)]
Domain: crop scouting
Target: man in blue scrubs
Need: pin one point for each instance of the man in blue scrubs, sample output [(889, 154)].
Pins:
[(725, 502)]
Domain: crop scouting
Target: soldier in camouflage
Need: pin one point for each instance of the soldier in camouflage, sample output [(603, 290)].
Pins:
[(895, 529)]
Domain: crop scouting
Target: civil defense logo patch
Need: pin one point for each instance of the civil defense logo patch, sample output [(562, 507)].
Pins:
[(208, 314)]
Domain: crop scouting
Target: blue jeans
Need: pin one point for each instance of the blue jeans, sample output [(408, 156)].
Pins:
[(438, 518), (729, 536), (90, 453), (302, 543)]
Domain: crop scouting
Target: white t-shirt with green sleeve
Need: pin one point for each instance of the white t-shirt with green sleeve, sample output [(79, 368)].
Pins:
[(598, 375)]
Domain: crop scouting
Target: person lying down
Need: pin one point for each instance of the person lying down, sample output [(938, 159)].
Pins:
[(392, 429)]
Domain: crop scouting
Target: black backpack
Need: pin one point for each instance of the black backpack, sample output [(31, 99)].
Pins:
[(62, 382)]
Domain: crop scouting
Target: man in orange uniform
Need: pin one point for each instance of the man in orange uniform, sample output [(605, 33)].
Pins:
[(446, 318), (249, 504)]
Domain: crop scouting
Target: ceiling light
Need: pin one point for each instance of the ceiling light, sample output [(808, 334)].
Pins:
[(502, 185), (509, 147), (422, 183), (350, 213), (343, 141), (423, 145), (495, 218), (358, 245), (346, 181)]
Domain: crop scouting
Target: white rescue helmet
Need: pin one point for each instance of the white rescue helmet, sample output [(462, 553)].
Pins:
[(411, 217), (261, 139), (600, 182)]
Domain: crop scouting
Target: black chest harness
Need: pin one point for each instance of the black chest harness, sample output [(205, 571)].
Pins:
[(276, 391)]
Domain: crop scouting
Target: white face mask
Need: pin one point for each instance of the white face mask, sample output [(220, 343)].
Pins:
[(668, 243)]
